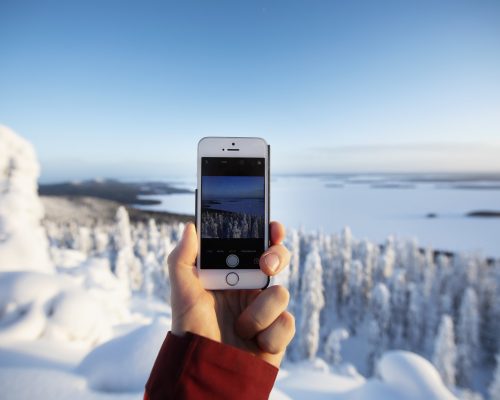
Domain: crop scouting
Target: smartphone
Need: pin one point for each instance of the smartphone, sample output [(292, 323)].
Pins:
[(232, 211)]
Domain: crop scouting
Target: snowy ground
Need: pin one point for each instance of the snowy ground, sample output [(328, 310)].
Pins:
[(77, 362), (62, 366), (84, 307)]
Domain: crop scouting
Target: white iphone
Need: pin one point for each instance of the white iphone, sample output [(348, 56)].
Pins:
[(232, 211)]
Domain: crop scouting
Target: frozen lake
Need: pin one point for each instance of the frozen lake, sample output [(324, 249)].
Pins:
[(375, 207)]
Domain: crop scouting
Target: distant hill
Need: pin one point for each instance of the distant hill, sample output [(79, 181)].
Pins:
[(89, 210), (110, 189)]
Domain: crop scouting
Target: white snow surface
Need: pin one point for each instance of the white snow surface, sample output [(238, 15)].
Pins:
[(123, 364), (402, 375), (412, 376), (110, 372)]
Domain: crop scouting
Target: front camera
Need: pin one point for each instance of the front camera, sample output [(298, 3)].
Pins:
[(232, 144)]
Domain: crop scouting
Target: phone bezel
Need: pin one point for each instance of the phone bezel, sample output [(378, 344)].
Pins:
[(248, 147)]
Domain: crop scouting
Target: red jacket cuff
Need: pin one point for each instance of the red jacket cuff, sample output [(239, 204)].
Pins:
[(194, 367)]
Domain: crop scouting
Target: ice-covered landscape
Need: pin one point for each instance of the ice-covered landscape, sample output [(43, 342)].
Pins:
[(84, 306), (438, 209)]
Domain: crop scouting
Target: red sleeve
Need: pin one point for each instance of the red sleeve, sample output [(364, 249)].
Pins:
[(194, 367)]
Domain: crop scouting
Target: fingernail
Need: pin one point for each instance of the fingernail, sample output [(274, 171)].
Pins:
[(272, 261)]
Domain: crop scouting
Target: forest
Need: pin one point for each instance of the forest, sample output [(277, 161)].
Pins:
[(231, 225)]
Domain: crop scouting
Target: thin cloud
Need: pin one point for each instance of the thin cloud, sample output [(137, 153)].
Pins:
[(417, 157)]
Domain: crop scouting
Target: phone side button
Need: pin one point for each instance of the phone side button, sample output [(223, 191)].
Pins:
[(232, 278)]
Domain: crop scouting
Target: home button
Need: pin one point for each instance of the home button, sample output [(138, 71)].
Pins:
[(232, 278), (232, 260)]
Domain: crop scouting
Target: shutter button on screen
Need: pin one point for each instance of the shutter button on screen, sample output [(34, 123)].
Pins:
[(232, 278), (232, 260)]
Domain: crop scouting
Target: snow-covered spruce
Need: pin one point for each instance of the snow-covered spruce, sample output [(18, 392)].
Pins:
[(467, 337), (378, 324), (445, 351), (127, 267), (23, 243), (334, 345), (312, 303)]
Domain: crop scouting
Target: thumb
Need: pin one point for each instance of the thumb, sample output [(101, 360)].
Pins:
[(182, 260)]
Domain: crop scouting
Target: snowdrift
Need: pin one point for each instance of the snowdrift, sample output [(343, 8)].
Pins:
[(123, 364)]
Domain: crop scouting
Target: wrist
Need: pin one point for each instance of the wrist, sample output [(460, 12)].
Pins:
[(181, 328)]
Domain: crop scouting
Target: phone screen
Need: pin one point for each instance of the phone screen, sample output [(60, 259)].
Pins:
[(232, 212)]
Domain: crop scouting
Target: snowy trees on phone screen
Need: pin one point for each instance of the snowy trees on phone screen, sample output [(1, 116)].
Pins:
[(494, 389), (312, 303), (231, 225), (445, 351)]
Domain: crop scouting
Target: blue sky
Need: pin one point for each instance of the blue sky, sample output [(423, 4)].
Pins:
[(126, 89)]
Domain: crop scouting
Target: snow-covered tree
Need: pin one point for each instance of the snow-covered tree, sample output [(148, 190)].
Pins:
[(294, 276), (84, 240), (23, 241), (415, 318), (345, 251), (151, 274), (413, 261), (331, 267), (489, 307), (312, 303), (355, 306), (467, 337), (333, 346), (153, 236), (378, 324), (494, 389), (122, 236), (141, 247), (399, 308), (100, 237), (368, 256), (387, 259), (445, 351), (127, 267)]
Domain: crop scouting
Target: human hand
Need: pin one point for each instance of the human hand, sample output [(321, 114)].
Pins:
[(252, 320)]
